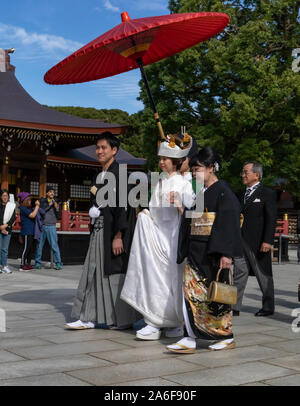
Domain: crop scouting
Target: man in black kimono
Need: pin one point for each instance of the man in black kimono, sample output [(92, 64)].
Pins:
[(98, 296), (260, 213)]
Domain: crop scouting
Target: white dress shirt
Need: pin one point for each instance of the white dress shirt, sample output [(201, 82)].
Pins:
[(252, 189)]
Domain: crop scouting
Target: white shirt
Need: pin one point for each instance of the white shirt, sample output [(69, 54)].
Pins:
[(252, 189)]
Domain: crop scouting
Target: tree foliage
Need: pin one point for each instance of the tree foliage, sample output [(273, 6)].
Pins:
[(131, 140), (237, 91)]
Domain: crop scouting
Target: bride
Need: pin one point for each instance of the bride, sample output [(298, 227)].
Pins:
[(153, 283)]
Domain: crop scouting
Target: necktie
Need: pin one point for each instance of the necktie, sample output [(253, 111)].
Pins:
[(248, 193)]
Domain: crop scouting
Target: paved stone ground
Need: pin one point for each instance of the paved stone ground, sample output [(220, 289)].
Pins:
[(37, 350)]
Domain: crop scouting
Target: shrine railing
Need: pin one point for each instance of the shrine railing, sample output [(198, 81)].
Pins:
[(75, 221), (282, 226), (70, 221)]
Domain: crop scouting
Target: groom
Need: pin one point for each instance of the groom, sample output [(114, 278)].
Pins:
[(97, 299)]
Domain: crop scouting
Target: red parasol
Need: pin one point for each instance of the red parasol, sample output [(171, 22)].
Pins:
[(136, 43)]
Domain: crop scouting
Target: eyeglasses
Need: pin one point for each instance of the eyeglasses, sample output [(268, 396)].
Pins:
[(246, 173)]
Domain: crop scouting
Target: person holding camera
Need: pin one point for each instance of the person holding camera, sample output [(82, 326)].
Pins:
[(52, 213)]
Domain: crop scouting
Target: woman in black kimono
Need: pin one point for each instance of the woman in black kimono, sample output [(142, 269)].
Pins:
[(207, 250)]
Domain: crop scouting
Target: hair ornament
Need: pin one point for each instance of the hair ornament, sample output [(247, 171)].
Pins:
[(175, 145), (186, 138), (172, 141)]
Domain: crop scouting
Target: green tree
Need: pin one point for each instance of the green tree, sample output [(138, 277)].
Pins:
[(131, 140), (237, 91)]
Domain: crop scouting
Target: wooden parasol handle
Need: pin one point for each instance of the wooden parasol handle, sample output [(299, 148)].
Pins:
[(156, 115)]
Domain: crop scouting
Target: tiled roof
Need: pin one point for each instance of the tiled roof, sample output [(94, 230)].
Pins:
[(17, 105)]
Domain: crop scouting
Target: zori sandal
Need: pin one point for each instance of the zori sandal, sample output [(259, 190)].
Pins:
[(181, 349), (222, 345)]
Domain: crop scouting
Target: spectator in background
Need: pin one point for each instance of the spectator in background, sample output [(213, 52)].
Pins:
[(52, 214), (7, 218), (27, 216)]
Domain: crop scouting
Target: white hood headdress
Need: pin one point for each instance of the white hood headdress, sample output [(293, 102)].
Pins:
[(169, 148)]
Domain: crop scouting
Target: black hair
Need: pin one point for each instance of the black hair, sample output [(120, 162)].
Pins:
[(110, 138), (177, 162), (207, 157), (2, 191), (194, 149)]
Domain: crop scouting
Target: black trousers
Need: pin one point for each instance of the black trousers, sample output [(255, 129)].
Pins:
[(29, 248)]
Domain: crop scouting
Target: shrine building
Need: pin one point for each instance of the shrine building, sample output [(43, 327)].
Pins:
[(41, 146)]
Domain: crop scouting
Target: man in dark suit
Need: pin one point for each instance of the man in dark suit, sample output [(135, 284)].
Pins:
[(260, 212)]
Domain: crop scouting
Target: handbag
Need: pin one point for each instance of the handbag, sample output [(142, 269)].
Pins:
[(222, 292)]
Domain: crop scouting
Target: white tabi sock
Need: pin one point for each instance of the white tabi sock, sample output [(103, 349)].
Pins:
[(221, 344), (80, 323), (148, 330), (186, 341)]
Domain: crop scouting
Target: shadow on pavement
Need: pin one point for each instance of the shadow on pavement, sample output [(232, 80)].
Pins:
[(60, 299)]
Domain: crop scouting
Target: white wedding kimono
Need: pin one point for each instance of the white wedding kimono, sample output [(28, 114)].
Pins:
[(153, 283)]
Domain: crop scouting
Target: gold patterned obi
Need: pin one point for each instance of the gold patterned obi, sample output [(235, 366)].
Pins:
[(203, 225)]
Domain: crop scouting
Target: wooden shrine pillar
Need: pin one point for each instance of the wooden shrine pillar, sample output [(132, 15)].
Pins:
[(4, 183), (19, 181), (43, 178)]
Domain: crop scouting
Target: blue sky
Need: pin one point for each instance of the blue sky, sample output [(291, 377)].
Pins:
[(43, 32)]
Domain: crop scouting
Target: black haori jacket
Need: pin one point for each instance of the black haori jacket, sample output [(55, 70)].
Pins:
[(204, 252), (115, 219)]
